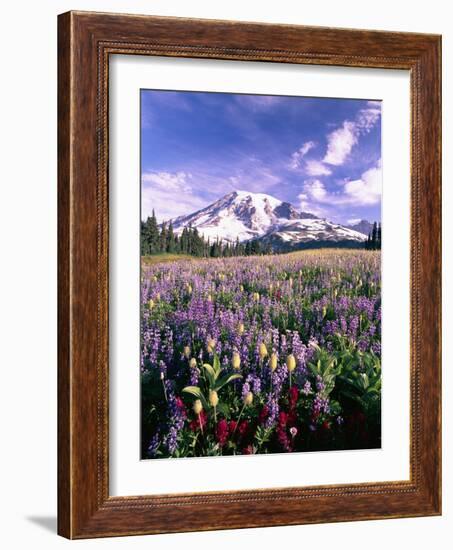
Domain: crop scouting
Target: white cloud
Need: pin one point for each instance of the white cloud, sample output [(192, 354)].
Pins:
[(307, 146), (316, 190), (367, 118), (340, 143), (313, 197), (306, 205), (177, 181), (353, 221), (169, 194), (298, 155), (366, 190), (167, 205), (316, 168)]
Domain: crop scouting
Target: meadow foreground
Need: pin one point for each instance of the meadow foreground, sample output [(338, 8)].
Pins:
[(266, 354)]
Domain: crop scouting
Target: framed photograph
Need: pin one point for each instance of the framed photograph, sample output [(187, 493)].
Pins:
[(249, 275)]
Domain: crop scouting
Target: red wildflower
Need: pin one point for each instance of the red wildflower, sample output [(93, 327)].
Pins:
[(293, 397), (243, 428), (286, 421), (202, 419), (247, 450), (283, 438), (232, 426), (282, 418), (264, 413), (221, 432)]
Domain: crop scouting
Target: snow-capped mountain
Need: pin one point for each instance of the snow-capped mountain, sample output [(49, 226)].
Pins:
[(363, 226), (303, 231), (248, 216), (239, 214)]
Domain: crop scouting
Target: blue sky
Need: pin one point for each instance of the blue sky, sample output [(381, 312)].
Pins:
[(322, 155)]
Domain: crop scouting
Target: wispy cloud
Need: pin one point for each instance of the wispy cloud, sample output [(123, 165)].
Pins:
[(258, 102), (341, 141), (178, 181), (312, 198), (367, 118), (365, 191), (315, 167), (298, 155), (161, 191)]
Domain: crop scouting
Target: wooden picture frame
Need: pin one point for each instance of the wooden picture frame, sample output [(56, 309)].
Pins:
[(85, 42)]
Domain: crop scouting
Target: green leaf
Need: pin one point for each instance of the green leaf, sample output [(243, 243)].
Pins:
[(216, 364), (195, 390), (226, 379), (210, 373), (224, 409)]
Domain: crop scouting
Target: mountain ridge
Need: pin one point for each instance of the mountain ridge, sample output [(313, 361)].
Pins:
[(362, 226), (246, 216)]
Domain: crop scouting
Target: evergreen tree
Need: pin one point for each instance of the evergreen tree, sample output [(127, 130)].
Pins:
[(151, 234), (184, 241), (215, 249), (158, 240), (374, 237), (177, 245), (236, 247), (255, 248), (163, 238), (144, 243), (171, 240), (373, 241)]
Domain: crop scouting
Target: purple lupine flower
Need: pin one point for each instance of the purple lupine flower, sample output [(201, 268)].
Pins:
[(320, 404), (153, 445), (274, 409), (320, 386), (253, 383), (171, 440), (245, 389)]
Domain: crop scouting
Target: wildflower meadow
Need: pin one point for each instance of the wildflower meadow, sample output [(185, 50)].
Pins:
[(261, 354)]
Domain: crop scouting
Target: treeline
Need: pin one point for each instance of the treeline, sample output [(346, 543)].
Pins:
[(159, 240), (374, 238)]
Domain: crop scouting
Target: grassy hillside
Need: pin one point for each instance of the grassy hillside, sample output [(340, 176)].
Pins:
[(164, 258)]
